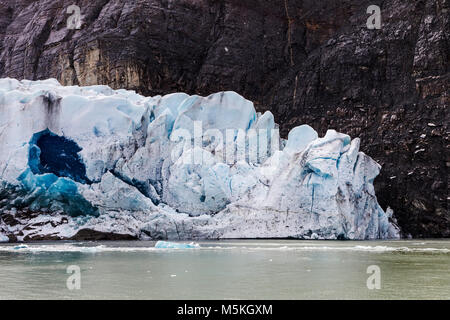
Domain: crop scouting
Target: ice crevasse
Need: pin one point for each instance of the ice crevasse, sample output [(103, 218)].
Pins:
[(174, 167)]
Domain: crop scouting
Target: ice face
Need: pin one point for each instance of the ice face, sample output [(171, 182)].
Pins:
[(176, 167), (3, 238), (300, 137)]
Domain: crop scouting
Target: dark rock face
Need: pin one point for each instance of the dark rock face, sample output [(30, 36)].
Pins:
[(311, 62)]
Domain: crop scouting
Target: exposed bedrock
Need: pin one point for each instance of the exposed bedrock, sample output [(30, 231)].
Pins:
[(308, 62)]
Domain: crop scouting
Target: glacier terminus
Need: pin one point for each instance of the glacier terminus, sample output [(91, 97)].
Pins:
[(77, 160)]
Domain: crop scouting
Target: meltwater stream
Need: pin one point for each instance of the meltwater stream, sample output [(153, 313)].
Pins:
[(239, 269)]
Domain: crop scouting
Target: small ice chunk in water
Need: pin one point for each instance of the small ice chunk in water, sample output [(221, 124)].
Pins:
[(21, 247), (174, 245)]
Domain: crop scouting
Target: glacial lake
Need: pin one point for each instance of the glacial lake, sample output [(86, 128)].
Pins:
[(233, 269)]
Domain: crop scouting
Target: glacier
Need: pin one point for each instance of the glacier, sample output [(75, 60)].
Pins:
[(174, 167)]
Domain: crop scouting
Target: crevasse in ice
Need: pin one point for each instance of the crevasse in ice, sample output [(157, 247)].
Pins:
[(175, 167)]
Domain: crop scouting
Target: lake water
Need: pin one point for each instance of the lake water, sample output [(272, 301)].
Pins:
[(240, 269)]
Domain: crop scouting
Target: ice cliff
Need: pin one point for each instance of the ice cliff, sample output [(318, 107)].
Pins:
[(174, 167)]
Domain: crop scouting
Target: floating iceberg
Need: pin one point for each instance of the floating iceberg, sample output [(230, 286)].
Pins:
[(20, 247), (174, 245), (174, 167)]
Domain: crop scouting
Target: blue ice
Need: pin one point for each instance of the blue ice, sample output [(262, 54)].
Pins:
[(174, 245)]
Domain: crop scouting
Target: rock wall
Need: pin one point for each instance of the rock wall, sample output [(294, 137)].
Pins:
[(312, 62)]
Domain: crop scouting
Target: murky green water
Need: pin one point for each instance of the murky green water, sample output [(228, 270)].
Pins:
[(252, 269)]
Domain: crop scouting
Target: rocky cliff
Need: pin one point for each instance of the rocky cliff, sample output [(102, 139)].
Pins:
[(312, 62)]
